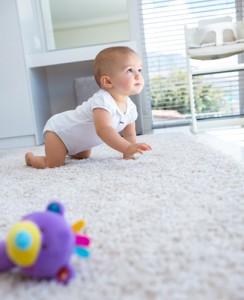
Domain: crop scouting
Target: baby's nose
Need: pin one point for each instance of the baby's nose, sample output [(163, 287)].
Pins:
[(137, 74)]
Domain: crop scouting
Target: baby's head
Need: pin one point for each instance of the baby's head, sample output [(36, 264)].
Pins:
[(111, 61)]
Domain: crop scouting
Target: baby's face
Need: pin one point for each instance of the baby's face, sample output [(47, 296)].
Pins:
[(127, 76)]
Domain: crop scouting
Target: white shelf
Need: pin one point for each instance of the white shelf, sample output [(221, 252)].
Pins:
[(69, 55), (215, 52), (224, 69)]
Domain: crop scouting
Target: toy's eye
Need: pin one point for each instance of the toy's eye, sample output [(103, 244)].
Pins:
[(44, 246), (43, 231)]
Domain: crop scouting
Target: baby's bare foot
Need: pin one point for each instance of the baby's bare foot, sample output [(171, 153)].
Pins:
[(28, 156)]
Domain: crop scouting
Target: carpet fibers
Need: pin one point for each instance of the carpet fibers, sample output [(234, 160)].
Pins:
[(167, 226)]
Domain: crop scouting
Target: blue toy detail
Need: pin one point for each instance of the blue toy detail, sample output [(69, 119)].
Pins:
[(41, 245)]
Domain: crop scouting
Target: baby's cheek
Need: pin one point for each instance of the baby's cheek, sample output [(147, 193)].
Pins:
[(126, 83)]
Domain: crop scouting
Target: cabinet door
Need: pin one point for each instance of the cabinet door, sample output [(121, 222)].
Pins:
[(15, 105)]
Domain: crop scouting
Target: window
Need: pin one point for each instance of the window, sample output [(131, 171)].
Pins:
[(163, 23)]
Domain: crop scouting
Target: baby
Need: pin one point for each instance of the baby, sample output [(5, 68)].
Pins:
[(118, 72)]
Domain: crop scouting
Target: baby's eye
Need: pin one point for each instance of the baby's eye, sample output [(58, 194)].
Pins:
[(140, 70), (130, 70)]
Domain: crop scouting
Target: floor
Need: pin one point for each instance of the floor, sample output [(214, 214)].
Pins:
[(228, 140)]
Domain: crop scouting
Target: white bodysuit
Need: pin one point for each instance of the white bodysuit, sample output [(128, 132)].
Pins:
[(76, 127)]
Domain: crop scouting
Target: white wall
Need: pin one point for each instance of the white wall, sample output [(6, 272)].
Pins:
[(16, 119)]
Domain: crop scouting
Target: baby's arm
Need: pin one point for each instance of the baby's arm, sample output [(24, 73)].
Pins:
[(129, 133), (104, 129)]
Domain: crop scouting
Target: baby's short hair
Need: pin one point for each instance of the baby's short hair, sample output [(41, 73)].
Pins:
[(106, 59)]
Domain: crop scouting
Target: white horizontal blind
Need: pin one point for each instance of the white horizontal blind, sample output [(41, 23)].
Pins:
[(162, 23)]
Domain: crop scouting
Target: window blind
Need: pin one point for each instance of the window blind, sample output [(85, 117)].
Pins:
[(162, 24)]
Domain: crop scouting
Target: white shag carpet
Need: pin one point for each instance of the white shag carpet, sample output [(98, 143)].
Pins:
[(167, 226)]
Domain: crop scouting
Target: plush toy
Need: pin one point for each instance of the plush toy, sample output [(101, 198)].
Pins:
[(41, 245)]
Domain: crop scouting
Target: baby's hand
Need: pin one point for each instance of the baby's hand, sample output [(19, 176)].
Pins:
[(136, 148)]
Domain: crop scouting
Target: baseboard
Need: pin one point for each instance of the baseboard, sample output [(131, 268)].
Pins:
[(17, 142)]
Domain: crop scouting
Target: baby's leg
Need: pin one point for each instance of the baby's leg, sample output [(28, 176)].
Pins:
[(55, 150), (82, 155)]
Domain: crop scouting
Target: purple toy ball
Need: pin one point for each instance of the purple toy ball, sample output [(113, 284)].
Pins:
[(41, 245)]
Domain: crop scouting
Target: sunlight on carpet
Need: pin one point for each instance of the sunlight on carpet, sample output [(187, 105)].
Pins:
[(233, 135)]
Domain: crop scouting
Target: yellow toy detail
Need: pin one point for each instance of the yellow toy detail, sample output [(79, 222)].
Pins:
[(24, 237)]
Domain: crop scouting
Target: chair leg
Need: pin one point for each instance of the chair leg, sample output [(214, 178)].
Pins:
[(193, 109), (192, 104), (191, 91)]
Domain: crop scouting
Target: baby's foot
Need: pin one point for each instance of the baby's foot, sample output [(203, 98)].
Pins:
[(28, 156)]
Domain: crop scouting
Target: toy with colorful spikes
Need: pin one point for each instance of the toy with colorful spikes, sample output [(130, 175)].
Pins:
[(42, 243)]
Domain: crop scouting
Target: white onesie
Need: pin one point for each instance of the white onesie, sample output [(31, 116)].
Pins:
[(76, 127)]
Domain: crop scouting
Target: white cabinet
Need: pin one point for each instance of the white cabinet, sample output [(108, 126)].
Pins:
[(16, 120), (36, 83)]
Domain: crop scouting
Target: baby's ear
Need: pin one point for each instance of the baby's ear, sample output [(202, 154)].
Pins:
[(105, 82), (56, 207)]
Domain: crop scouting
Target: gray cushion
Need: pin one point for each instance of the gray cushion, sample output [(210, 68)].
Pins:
[(84, 88)]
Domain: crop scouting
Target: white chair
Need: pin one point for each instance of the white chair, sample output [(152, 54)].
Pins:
[(212, 39)]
